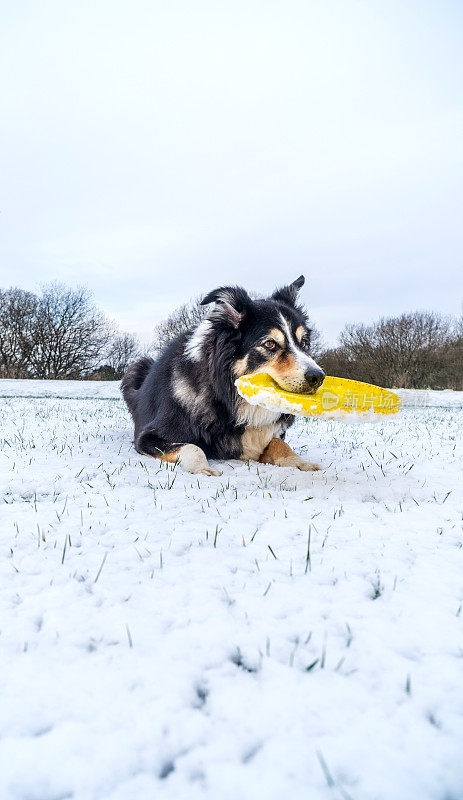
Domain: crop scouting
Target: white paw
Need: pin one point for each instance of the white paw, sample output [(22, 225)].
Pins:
[(306, 467), (194, 460), (298, 462), (207, 471)]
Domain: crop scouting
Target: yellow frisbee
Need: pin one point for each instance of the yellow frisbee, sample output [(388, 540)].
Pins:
[(337, 398)]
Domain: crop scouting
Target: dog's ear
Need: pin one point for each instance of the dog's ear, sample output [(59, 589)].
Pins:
[(232, 302), (288, 294)]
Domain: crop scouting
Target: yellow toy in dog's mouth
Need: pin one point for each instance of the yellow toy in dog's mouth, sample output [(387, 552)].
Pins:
[(337, 398)]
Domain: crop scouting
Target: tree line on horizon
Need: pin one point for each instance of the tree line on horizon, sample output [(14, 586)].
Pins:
[(61, 334)]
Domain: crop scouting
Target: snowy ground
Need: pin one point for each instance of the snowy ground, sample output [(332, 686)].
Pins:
[(264, 635)]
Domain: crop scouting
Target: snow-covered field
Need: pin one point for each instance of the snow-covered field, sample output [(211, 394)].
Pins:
[(264, 635)]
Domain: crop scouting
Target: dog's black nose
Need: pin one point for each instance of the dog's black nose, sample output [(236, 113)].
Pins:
[(314, 377)]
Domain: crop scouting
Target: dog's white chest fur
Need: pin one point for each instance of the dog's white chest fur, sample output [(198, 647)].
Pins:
[(255, 440), (255, 416), (261, 427)]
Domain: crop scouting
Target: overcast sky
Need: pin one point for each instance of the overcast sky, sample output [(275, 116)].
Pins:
[(155, 150)]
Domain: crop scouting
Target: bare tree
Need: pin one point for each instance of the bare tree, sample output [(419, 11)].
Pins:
[(123, 350), (335, 362), (316, 342), (70, 334), (452, 356), (60, 334), (17, 312), (182, 319), (405, 351)]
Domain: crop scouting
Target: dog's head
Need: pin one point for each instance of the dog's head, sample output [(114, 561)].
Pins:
[(271, 335)]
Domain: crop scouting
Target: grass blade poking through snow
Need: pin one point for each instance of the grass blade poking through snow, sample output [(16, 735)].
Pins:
[(308, 564), (101, 567)]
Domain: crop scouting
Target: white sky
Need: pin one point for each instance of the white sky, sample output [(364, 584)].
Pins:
[(155, 150)]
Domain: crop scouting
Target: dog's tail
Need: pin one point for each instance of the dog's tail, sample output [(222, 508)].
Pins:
[(134, 378)]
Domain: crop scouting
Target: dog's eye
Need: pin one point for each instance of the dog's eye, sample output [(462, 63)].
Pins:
[(305, 343), (270, 344)]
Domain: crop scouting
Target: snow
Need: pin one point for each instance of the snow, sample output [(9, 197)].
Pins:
[(445, 398), (165, 636), (64, 389)]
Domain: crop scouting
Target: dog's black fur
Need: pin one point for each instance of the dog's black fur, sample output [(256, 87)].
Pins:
[(187, 395)]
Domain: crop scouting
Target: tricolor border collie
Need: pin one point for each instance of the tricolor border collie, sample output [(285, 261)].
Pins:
[(185, 405)]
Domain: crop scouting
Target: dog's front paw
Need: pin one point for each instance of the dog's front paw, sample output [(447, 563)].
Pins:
[(207, 471), (298, 462), (306, 467), (194, 460)]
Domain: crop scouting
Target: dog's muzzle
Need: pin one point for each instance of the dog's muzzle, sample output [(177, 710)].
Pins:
[(307, 383)]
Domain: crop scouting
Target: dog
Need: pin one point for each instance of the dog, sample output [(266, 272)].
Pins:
[(184, 404)]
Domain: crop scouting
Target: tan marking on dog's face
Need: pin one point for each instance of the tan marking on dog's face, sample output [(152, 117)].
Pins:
[(285, 363), (240, 367), (285, 370), (278, 336), (300, 333)]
